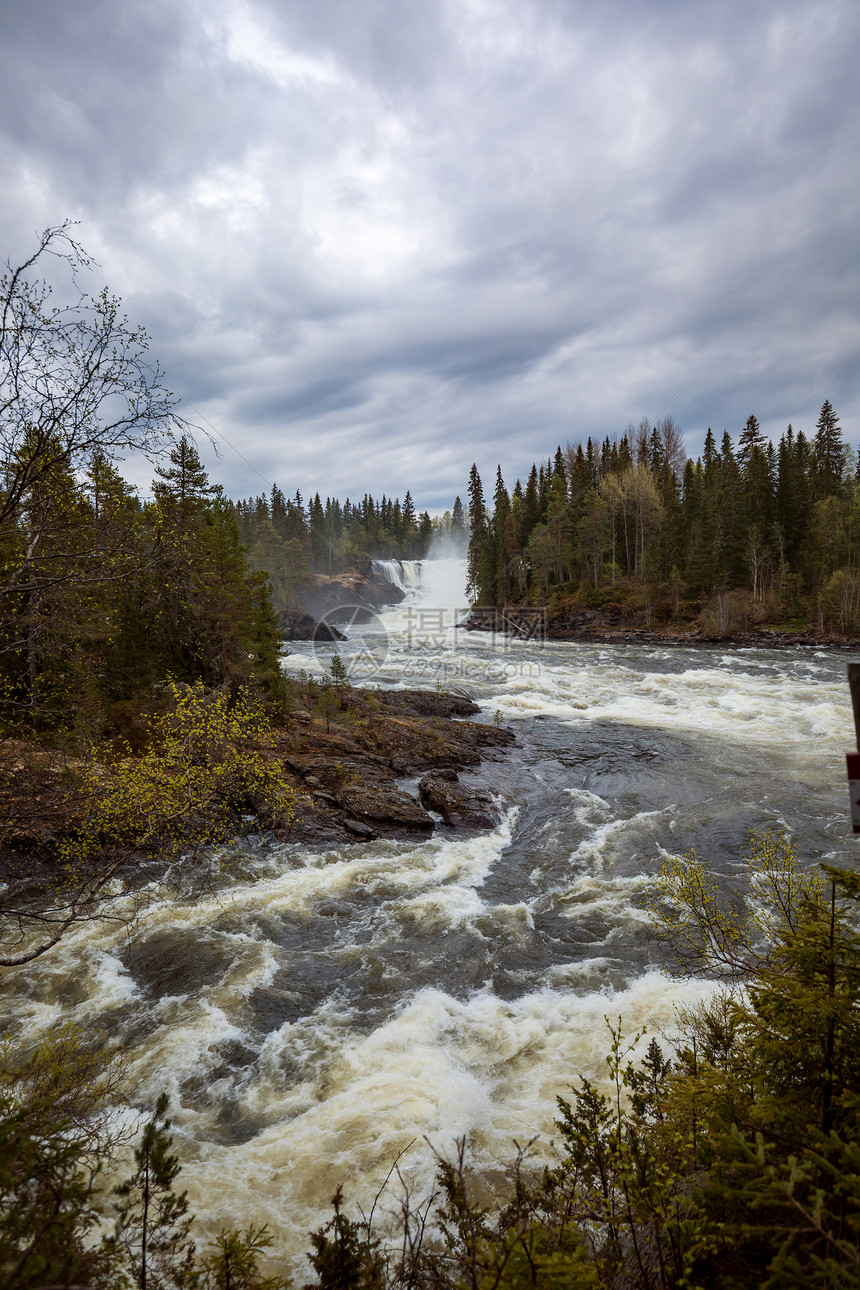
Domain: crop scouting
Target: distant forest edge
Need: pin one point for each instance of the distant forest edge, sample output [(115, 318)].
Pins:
[(629, 532), (636, 534)]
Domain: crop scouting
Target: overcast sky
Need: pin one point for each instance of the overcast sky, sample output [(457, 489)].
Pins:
[(375, 240)]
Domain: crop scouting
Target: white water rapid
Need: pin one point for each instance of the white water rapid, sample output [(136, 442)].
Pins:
[(313, 1018)]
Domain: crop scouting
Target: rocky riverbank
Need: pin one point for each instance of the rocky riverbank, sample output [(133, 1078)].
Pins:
[(596, 628), (349, 765), (363, 764)]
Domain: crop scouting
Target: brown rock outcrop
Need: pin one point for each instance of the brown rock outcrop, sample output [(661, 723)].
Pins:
[(461, 806), (346, 773)]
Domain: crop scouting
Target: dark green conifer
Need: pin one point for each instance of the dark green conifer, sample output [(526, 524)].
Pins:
[(829, 452), (750, 437), (153, 1224)]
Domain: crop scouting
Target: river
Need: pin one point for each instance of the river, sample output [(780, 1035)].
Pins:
[(316, 1015)]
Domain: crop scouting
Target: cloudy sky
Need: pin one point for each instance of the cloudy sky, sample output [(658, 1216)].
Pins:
[(375, 240)]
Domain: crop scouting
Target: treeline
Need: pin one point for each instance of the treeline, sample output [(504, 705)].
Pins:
[(724, 1156), (104, 596), (290, 541), (749, 533)]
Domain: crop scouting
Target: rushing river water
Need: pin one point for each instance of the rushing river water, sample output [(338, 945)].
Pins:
[(314, 1017)]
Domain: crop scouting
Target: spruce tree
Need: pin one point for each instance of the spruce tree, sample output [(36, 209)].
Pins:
[(829, 452), (153, 1225), (730, 530), (278, 511), (184, 481), (480, 566), (502, 567), (425, 535), (560, 527), (531, 506), (750, 437), (458, 520), (709, 453)]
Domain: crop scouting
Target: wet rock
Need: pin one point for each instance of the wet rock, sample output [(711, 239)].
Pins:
[(333, 774), (428, 703), (312, 828), (327, 632), (459, 805), (360, 830), (385, 807), (350, 769), (296, 625), (358, 588)]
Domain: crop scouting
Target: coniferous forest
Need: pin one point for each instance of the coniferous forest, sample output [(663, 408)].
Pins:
[(749, 534), (142, 701)]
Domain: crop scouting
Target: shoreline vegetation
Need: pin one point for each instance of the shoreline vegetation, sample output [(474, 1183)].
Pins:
[(592, 628), (80, 822), (751, 541), (211, 766)]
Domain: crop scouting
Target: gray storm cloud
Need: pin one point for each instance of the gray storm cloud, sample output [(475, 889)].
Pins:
[(373, 241)]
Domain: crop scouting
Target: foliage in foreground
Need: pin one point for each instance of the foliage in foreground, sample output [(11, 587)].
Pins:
[(206, 763), (727, 1157)]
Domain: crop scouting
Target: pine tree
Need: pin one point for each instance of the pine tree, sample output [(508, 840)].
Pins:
[(184, 481), (531, 507), (153, 1225), (223, 598), (458, 520), (750, 437), (730, 530), (709, 453), (559, 527), (233, 1262), (425, 535), (593, 536), (481, 566), (829, 452), (49, 1204), (278, 511), (502, 571), (410, 526)]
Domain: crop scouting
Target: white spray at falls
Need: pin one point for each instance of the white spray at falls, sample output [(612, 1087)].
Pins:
[(313, 1018)]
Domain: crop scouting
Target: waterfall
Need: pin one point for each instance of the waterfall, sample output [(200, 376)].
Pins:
[(405, 574)]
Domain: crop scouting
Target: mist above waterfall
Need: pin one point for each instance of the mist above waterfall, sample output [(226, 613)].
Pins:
[(448, 546)]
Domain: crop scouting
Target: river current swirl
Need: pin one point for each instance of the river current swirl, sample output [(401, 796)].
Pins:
[(316, 1015)]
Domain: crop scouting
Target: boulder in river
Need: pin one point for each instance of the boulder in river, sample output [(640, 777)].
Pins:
[(458, 804), (383, 806), (298, 626)]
